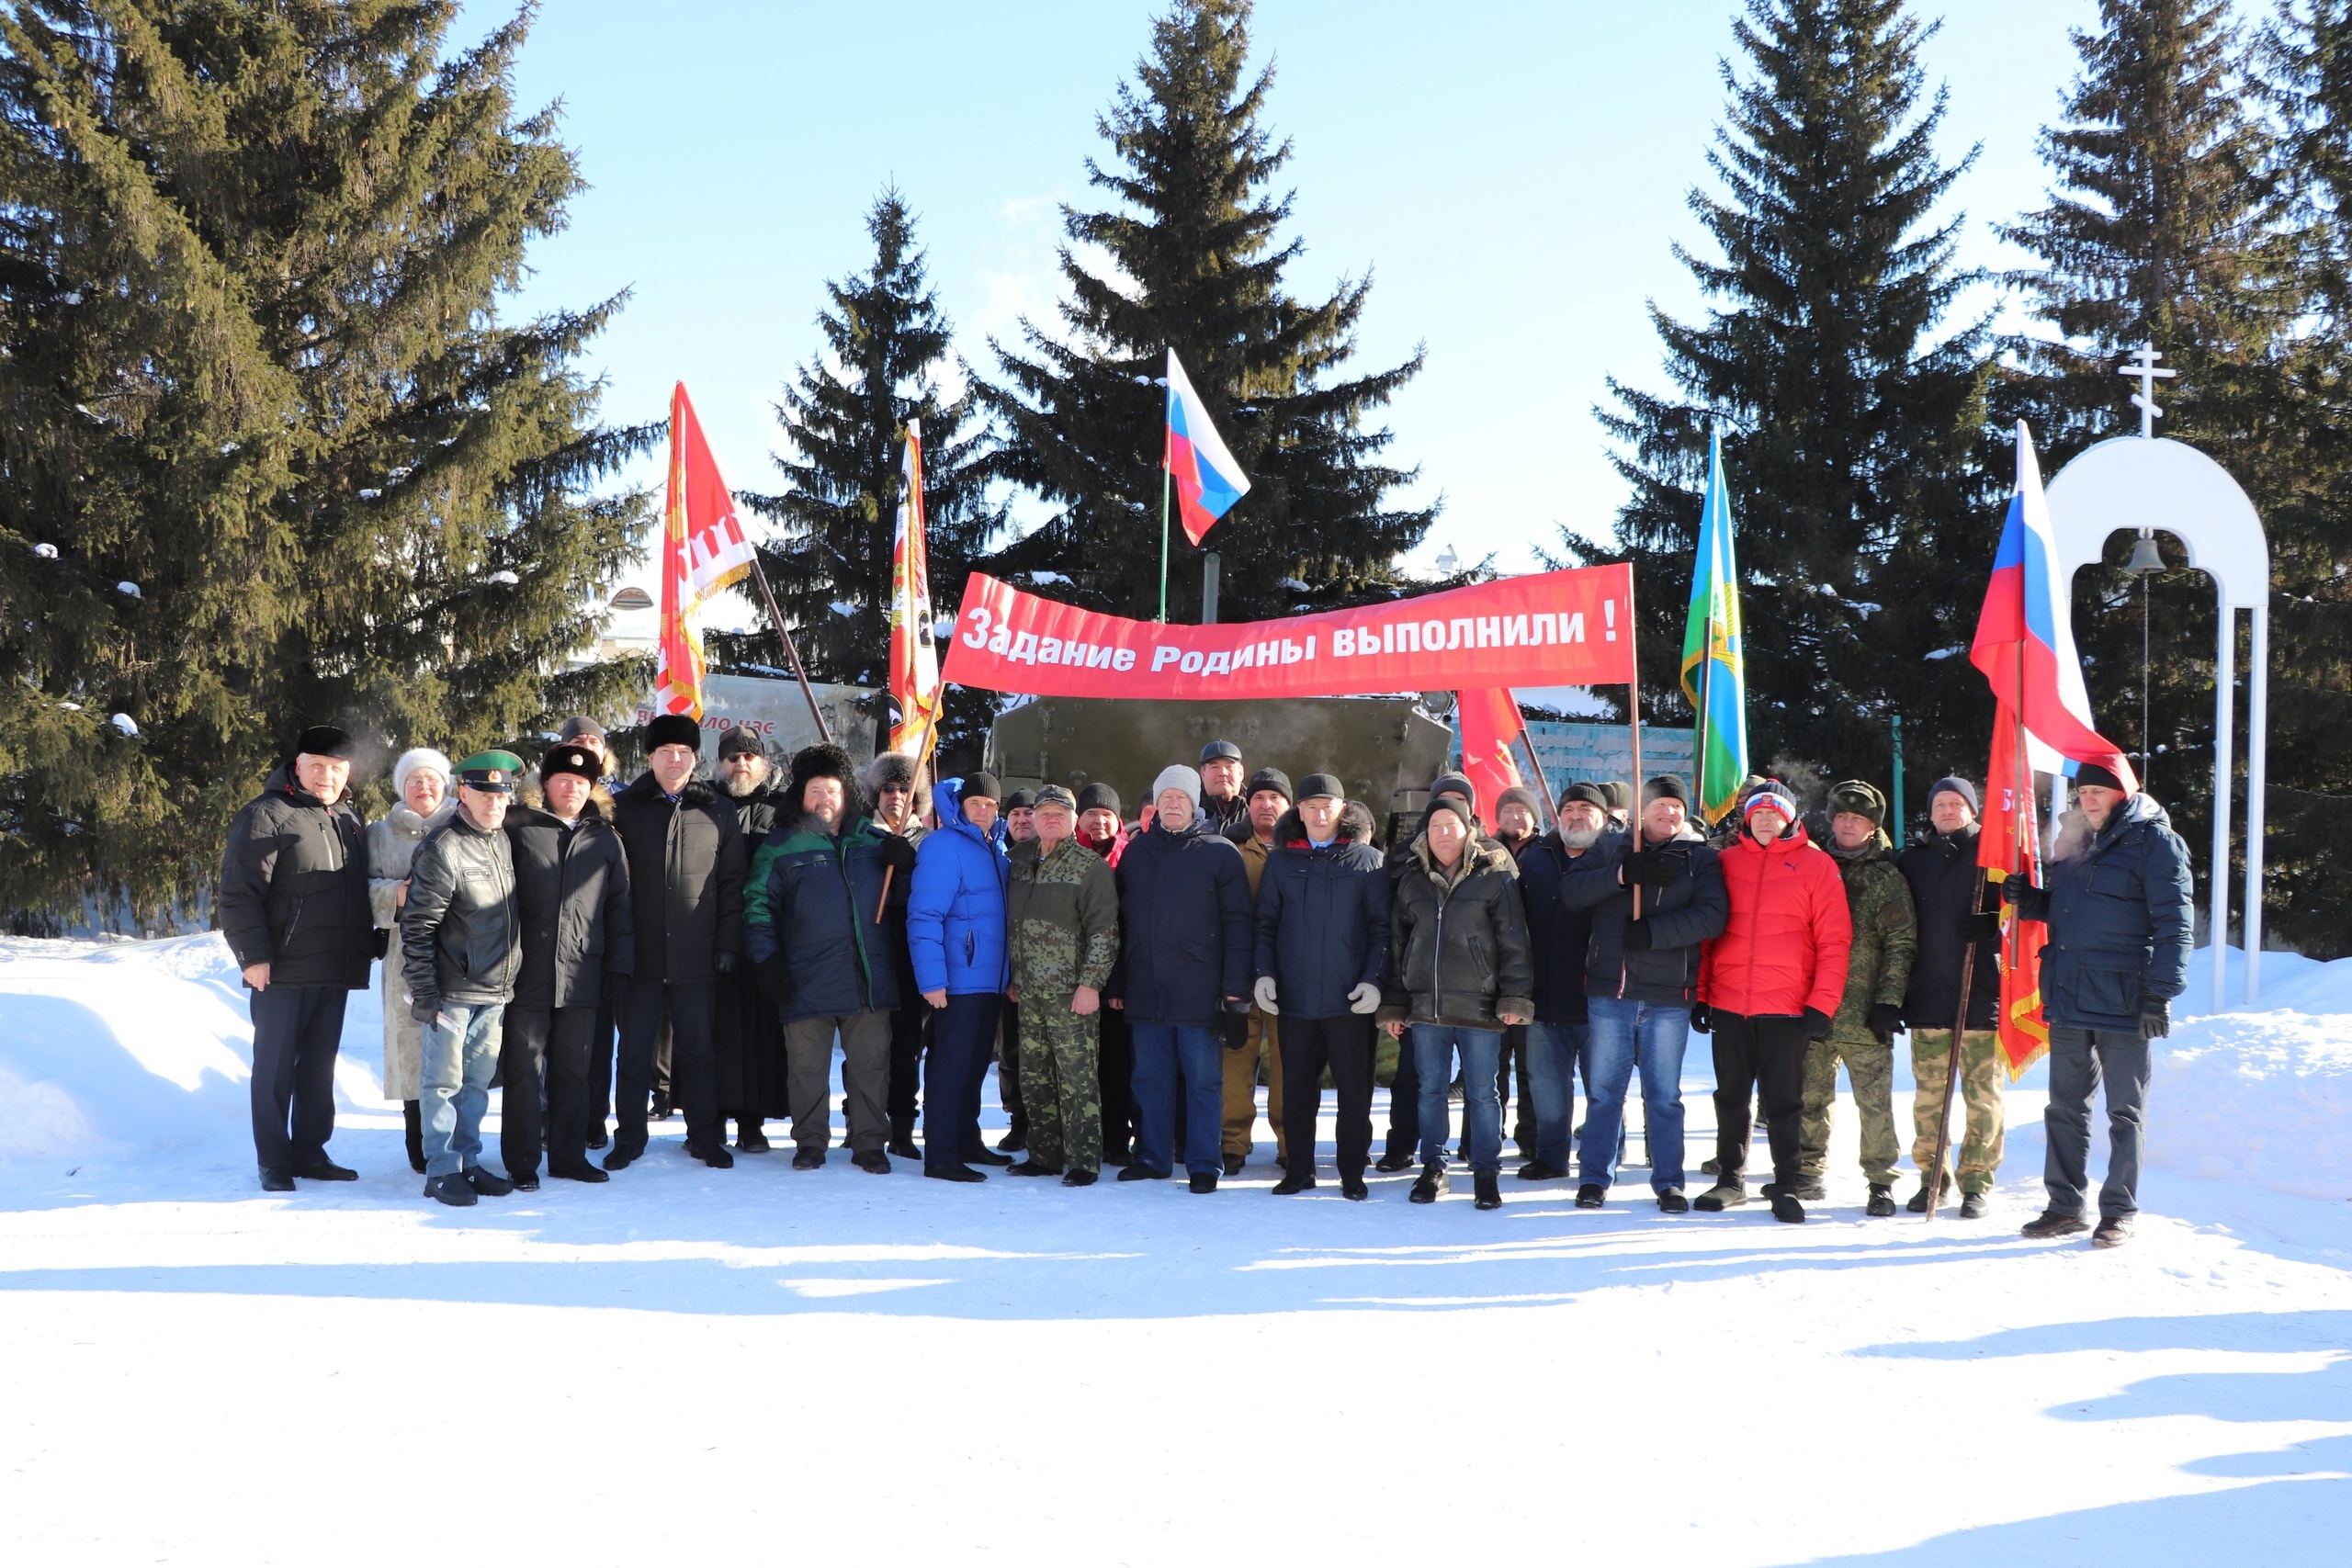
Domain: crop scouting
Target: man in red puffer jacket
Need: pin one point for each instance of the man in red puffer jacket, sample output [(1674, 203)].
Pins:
[(1767, 987)]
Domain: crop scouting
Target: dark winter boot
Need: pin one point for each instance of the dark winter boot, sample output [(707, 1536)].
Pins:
[(1672, 1202), (1294, 1182), (1031, 1168), (1394, 1161), (1918, 1201), (1432, 1184), (1233, 1163), (1079, 1177), (2113, 1231), (1881, 1203), (1972, 1205), (902, 1138), (1785, 1207), (989, 1157), (2053, 1225), (1488, 1188), (1203, 1182), (1353, 1189), (413, 1113), (487, 1182), (1591, 1195), (748, 1137), (451, 1190), (1016, 1136), (874, 1162), (1728, 1192)]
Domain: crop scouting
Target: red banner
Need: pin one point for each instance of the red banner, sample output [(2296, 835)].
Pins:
[(1557, 628)]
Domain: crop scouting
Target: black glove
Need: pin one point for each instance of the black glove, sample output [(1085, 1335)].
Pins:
[(1238, 1006), (1884, 1019), (1817, 1024), (1651, 869), (1703, 1019), (1638, 936), (2155, 1019), (1974, 928), (898, 853), (726, 962), (774, 980), (422, 1008), (2013, 890)]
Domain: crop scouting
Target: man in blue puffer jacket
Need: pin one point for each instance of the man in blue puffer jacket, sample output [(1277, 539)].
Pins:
[(1186, 939), (2117, 904), (956, 937)]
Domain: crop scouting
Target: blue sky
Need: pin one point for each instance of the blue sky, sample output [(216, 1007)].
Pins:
[(1462, 153)]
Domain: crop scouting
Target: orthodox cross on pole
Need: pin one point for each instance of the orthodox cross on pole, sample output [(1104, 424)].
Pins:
[(2143, 366)]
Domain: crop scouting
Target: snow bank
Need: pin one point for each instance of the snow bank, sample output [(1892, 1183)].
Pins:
[(2262, 1097), (107, 1046)]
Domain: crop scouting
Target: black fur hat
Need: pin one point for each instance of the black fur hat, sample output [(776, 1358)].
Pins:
[(822, 762)]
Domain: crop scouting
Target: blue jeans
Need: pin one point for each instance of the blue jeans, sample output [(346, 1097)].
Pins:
[(1166, 1054), (1551, 1053), (461, 1053), (1616, 1033), (1482, 1110)]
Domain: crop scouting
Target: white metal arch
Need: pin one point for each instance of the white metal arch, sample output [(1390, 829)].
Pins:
[(2134, 483)]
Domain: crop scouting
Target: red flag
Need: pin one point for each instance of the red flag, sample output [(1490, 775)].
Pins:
[(703, 550), (2008, 846), (1490, 722)]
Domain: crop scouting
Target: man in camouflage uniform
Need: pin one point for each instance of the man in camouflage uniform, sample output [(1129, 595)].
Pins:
[(1946, 889), (1862, 1033), (1062, 933)]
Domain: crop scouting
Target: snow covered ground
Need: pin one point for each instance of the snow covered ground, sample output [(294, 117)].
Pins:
[(760, 1364)]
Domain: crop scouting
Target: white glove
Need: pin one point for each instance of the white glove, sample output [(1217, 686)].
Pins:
[(1365, 998), (1264, 992)]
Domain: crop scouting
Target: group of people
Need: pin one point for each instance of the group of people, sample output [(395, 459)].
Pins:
[(1130, 979)]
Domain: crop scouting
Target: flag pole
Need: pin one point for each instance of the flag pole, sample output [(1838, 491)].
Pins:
[(1164, 537), (775, 619), (1542, 783), (1633, 726)]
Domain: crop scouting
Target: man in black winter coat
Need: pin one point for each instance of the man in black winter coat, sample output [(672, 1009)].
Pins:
[(1185, 944), (747, 1043), (293, 906), (1946, 887), (1641, 980), (571, 892), (461, 952), (1403, 1148), (2117, 907), (1559, 936), (1322, 952), (686, 877)]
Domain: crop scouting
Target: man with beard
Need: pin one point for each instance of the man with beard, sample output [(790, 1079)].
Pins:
[(817, 918), (686, 874), (890, 785), (747, 1043), (1560, 937), (293, 906)]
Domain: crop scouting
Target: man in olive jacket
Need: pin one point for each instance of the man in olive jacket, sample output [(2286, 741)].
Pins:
[(1061, 928), (461, 949), (685, 880), (293, 906), (571, 888), (2118, 907)]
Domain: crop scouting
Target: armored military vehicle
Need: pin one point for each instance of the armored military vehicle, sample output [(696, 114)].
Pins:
[(1384, 750)]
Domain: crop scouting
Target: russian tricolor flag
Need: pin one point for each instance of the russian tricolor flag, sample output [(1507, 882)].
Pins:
[(2025, 639), (1208, 481)]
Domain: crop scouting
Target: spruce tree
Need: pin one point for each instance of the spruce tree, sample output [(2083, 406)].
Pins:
[(1196, 262), (2162, 227), (1852, 434), (252, 362), (2303, 488), (888, 360)]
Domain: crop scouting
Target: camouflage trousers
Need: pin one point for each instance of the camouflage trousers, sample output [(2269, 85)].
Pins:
[(1978, 1142), (1870, 1067), (1059, 1089)]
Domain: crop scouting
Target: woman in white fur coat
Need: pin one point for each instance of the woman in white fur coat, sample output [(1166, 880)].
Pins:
[(421, 778)]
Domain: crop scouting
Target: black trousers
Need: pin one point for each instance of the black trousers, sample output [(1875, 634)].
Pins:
[(963, 1043), (1344, 1045), (686, 1008), (545, 1046), (909, 1032), (1764, 1055), (600, 1068), (1114, 1067), (1405, 1102), (297, 1031)]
